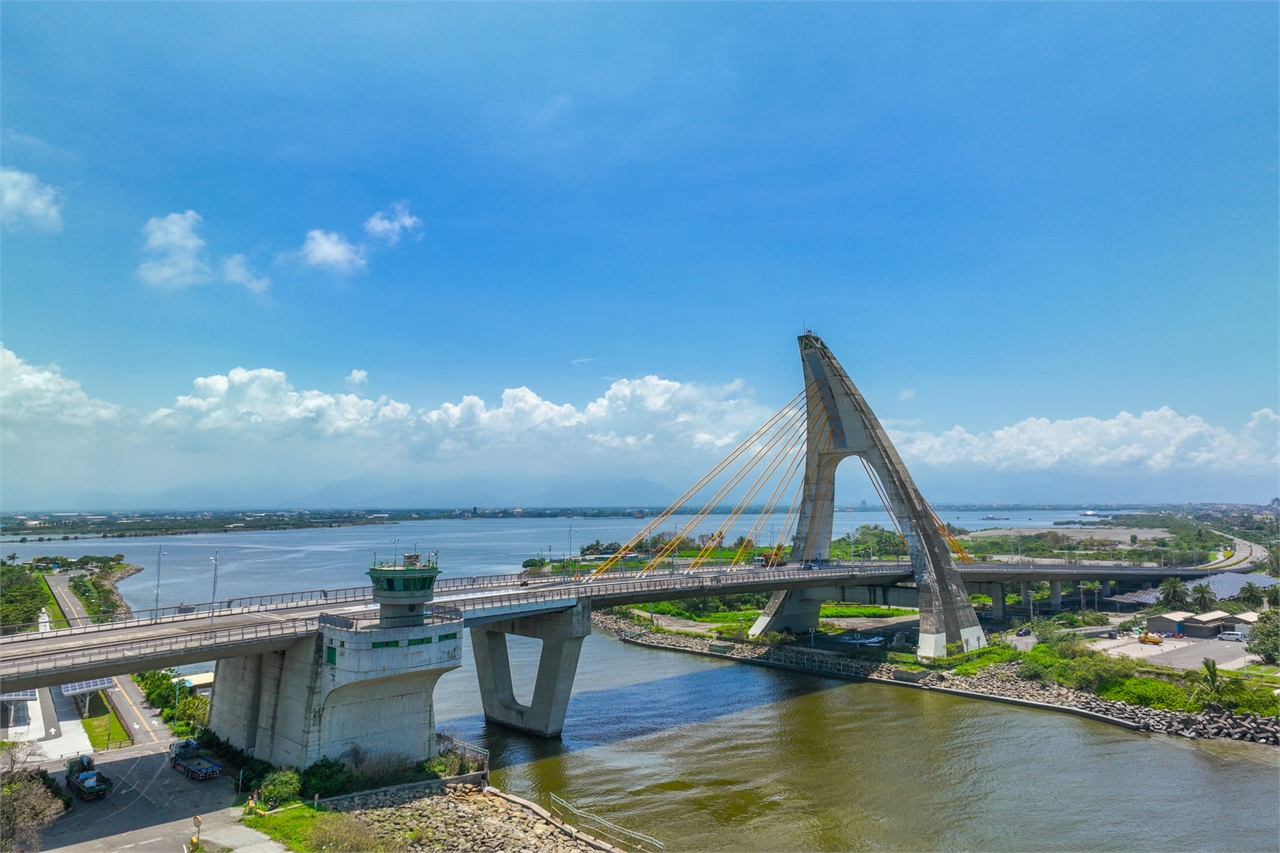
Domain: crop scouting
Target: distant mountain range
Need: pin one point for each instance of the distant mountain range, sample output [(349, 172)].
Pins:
[(375, 491)]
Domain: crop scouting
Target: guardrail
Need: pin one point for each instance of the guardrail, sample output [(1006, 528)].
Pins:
[(39, 664), (603, 829), (191, 612)]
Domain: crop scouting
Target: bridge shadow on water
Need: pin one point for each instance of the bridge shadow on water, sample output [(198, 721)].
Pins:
[(602, 717)]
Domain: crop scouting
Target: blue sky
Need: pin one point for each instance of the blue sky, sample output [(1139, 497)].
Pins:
[(259, 249)]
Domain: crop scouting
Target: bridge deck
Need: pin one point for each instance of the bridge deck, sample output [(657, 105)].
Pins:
[(268, 623)]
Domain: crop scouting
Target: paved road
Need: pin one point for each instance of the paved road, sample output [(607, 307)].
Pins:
[(150, 809), (142, 721)]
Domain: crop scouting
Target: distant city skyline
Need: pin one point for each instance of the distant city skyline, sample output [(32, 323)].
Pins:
[(256, 255)]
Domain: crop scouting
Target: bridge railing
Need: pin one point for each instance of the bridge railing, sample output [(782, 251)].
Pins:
[(39, 664), (602, 829), (253, 604)]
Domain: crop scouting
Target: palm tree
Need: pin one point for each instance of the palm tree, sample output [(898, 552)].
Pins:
[(1202, 597), (1250, 595), (1272, 595), (1174, 592), (1211, 687)]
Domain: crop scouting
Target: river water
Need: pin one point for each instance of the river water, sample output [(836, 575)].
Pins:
[(706, 755)]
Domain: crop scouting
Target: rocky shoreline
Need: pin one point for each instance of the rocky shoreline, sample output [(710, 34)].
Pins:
[(465, 819), (998, 681), (122, 608)]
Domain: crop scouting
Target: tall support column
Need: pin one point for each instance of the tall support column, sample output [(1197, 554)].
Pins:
[(840, 424), (1028, 594), (997, 601), (561, 635), (1055, 594), (1106, 589)]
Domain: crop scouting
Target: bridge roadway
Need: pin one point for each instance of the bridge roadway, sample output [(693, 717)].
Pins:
[(244, 626)]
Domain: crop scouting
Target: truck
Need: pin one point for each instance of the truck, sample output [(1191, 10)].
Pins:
[(1150, 639), (85, 781), (185, 756)]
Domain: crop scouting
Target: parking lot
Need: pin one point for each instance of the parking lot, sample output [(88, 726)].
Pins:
[(148, 795), (1185, 653)]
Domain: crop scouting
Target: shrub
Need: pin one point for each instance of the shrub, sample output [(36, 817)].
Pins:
[(255, 773), (327, 777), (344, 834), (282, 785), (1150, 692)]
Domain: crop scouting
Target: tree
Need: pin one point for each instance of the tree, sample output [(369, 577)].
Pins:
[(1265, 639), (1174, 592), (1202, 597), (1212, 687), (1272, 595), (27, 805), (1250, 595)]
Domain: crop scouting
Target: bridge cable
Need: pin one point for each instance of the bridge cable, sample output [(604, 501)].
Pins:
[(694, 489)]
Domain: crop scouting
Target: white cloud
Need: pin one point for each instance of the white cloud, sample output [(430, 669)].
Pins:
[(24, 200), (907, 394), (43, 394), (253, 429), (263, 401), (330, 250), (381, 227), (1153, 441), (177, 247), (236, 270)]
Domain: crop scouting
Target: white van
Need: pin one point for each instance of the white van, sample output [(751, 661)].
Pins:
[(1232, 636)]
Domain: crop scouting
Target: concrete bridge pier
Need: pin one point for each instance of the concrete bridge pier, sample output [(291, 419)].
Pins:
[(340, 691), (1028, 595), (1055, 594), (1105, 592), (561, 635), (997, 601)]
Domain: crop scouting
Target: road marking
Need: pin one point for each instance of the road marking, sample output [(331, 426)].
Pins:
[(135, 710)]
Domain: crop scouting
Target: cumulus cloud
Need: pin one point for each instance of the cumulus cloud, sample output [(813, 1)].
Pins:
[(24, 200), (253, 425), (176, 248), (43, 394), (235, 269), (907, 394), (1152, 441), (262, 400), (330, 250), (386, 228)]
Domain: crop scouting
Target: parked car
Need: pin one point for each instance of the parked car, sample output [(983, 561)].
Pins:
[(1024, 631), (1231, 636)]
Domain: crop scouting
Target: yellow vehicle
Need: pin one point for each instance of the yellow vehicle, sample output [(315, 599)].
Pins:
[(1150, 639)]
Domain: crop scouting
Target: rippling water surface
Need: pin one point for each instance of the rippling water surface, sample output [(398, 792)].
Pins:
[(709, 756)]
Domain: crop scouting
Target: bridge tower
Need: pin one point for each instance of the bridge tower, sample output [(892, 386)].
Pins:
[(840, 425)]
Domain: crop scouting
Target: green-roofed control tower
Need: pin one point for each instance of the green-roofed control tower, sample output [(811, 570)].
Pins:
[(402, 589)]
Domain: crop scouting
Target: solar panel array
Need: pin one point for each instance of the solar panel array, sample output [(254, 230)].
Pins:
[(93, 685), (18, 696), (1225, 585)]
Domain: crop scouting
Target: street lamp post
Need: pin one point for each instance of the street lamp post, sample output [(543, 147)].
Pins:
[(213, 602), (159, 557), (569, 556)]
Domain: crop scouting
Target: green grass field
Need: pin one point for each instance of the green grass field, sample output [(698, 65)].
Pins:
[(862, 611), (101, 724)]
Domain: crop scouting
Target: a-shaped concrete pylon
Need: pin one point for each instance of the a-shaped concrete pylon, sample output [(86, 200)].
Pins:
[(841, 424)]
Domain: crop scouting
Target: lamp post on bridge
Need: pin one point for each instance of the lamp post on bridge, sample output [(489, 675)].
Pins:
[(213, 601), (156, 608), (569, 556)]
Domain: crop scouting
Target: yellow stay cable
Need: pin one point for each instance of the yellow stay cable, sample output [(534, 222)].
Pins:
[(797, 437), (694, 489), (784, 432)]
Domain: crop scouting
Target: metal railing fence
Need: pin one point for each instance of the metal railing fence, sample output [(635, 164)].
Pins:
[(603, 829)]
